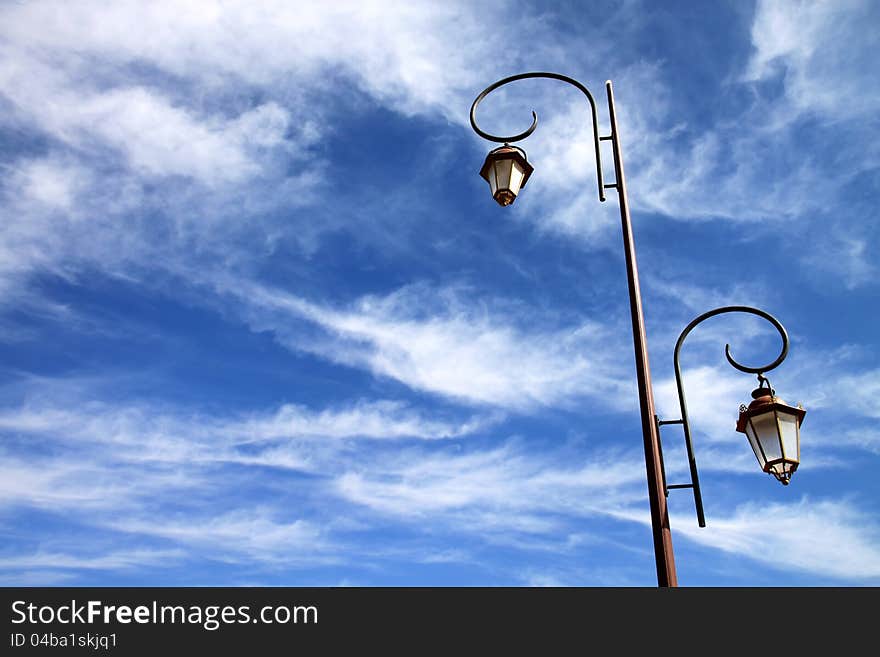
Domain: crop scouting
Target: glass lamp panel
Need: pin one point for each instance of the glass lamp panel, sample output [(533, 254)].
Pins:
[(750, 434), (503, 169), (788, 425), (493, 182), (767, 431), (516, 177)]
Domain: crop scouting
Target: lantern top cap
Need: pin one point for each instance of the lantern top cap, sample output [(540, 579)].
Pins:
[(508, 148), (759, 392), (765, 399)]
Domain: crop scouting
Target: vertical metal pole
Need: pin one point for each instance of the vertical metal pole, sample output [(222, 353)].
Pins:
[(663, 554)]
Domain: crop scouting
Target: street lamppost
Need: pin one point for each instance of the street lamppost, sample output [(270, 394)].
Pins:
[(771, 426), (505, 191), (507, 170)]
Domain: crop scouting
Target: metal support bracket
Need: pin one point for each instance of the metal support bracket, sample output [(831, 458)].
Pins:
[(695, 483)]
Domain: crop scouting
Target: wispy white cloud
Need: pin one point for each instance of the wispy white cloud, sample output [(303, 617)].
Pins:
[(505, 494), (438, 341), (252, 534), (50, 182), (770, 157), (37, 578), (698, 298), (154, 136), (408, 56), (149, 94), (504, 488), (821, 52), (825, 537), (51, 483), (148, 433), (500, 493), (173, 142), (109, 467), (866, 438), (855, 392), (118, 560), (97, 458), (846, 257), (381, 419), (55, 560)]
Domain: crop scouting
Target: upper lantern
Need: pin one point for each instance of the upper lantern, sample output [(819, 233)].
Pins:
[(774, 432), (506, 169)]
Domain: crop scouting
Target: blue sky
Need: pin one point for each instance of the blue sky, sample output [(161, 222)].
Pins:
[(262, 323)]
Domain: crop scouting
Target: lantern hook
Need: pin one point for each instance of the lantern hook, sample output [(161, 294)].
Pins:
[(762, 380)]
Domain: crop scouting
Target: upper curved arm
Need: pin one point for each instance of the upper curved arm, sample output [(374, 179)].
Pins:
[(528, 131), (739, 309)]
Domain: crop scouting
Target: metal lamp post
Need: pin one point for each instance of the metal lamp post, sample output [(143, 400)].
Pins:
[(507, 169), (663, 553)]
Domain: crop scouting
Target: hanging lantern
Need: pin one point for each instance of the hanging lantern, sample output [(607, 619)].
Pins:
[(506, 169), (774, 432)]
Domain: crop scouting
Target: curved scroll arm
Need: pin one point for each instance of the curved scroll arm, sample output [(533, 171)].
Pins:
[(531, 128), (695, 479)]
